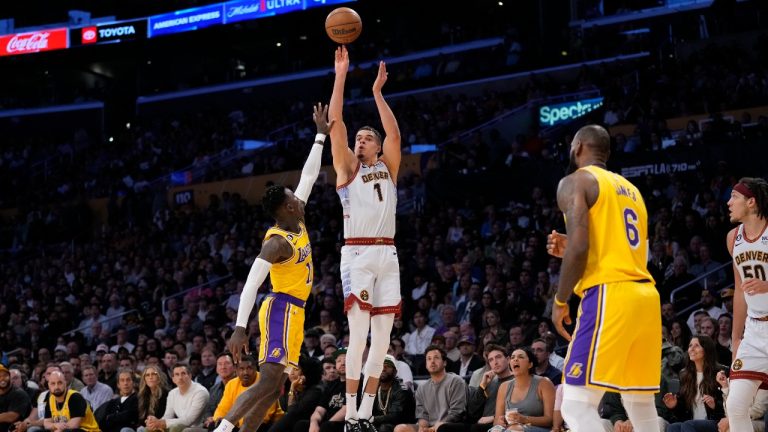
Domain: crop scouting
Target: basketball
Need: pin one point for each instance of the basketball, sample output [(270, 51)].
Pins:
[(343, 25)]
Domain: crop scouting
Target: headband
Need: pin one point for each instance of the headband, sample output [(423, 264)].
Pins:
[(744, 190)]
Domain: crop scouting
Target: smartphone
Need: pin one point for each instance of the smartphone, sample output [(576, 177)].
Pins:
[(674, 386)]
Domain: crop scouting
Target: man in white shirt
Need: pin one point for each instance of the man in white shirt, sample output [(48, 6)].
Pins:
[(185, 403), (417, 341)]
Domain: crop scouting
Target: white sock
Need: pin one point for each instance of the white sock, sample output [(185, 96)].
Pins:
[(366, 406), (225, 426), (351, 407)]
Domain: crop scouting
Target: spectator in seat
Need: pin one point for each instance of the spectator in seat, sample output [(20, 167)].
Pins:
[(525, 403), (15, 403), (153, 394), (208, 366), (246, 376), (481, 404), (442, 399), (225, 372), (708, 306), (698, 405), (544, 367), (185, 404), (95, 392), (469, 361), (67, 410), (122, 412)]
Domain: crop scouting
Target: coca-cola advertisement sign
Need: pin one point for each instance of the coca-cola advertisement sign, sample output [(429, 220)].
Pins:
[(33, 42)]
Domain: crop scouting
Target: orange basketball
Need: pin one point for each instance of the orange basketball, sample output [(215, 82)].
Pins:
[(343, 25)]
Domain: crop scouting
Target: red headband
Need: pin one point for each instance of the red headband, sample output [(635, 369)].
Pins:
[(744, 190)]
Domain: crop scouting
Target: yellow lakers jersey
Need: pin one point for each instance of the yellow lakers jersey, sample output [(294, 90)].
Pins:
[(87, 423), (618, 233), (294, 275)]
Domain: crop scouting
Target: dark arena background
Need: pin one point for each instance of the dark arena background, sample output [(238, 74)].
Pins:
[(138, 137)]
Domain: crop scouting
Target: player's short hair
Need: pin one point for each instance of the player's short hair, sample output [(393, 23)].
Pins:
[(273, 198), (595, 137), (373, 130)]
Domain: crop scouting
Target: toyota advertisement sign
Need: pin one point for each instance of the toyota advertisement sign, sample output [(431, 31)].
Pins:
[(111, 33), (34, 42)]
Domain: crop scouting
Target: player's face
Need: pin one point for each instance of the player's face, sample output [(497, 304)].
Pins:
[(737, 207), (366, 145), (294, 204)]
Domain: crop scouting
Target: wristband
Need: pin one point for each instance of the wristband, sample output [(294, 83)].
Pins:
[(320, 138), (560, 303)]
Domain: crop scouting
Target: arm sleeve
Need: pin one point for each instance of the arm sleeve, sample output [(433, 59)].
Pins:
[(309, 173), (259, 272), (192, 412), (457, 401)]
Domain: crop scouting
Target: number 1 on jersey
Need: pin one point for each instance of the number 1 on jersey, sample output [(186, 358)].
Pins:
[(377, 187)]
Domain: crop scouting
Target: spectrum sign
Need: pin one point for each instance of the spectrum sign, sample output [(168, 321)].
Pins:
[(114, 32), (550, 115), (186, 20), (34, 42)]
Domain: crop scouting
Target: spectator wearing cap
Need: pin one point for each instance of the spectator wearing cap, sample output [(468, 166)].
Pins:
[(543, 366), (393, 404), (707, 305), (469, 360), (441, 399), (36, 417), (14, 402), (95, 392), (60, 353), (311, 346)]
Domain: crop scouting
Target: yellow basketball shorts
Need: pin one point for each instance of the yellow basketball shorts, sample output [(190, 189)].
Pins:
[(281, 320), (617, 342)]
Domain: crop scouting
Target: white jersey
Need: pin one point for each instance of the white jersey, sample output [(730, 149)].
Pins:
[(369, 202), (751, 259)]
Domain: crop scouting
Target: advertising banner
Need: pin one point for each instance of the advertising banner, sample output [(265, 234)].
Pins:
[(186, 20), (113, 32), (551, 115), (34, 42)]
